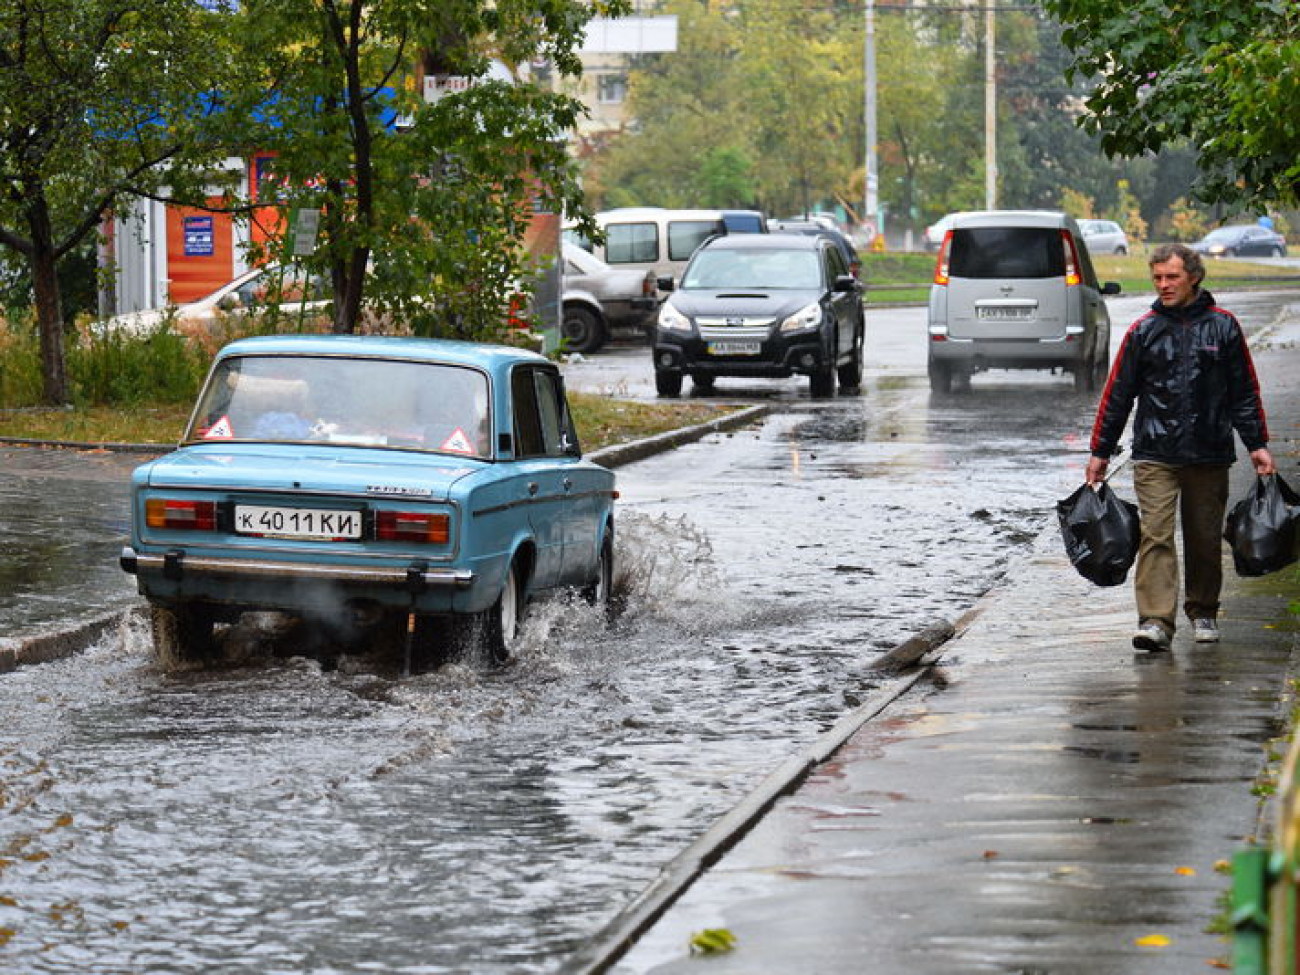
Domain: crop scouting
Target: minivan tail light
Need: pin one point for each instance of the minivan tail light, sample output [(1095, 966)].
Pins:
[(941, 261), (412, 526), (1072, 275), (185, 515)]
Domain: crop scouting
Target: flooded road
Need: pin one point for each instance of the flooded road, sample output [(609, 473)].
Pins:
[(271, 817)]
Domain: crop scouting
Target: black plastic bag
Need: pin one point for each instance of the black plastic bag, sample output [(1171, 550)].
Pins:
[(1262, 527), (1101, 532)]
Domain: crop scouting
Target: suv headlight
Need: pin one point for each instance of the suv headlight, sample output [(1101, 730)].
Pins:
[(808, 317), (671, 320)]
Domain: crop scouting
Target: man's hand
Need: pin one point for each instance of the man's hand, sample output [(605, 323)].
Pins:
[(1263, 461), (1096, 471)]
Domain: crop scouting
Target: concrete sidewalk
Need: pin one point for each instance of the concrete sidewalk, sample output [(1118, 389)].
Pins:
[(1049, 799), (1045, 800)]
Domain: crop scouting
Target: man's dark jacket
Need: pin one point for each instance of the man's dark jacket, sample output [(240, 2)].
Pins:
[(1191, 374)]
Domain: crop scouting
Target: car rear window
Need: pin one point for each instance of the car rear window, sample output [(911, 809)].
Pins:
[(1006, 252)]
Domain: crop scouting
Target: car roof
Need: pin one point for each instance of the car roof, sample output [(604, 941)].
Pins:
[(453, 351), (1012, 218), (773, 241)]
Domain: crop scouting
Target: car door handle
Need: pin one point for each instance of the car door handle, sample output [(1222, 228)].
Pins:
[(568, 483), (532, 488)]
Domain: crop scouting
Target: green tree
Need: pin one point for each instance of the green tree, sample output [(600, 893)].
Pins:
[(98, 99), (1220, 76), (424, 205)]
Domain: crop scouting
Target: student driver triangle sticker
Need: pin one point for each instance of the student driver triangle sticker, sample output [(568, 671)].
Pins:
[(458, 443)]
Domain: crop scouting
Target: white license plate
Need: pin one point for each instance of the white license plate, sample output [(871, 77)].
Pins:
[(254, 519), (735, 348), (1018, 313)]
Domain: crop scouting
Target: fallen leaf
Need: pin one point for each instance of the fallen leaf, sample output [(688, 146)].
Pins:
[(712, 941), (990, 854), (1153, 941), (1185, 871)]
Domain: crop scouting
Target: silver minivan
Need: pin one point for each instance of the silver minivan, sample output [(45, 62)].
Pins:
[(1015, 289)]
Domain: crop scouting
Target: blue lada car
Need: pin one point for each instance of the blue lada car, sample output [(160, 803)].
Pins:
[(418, 489)]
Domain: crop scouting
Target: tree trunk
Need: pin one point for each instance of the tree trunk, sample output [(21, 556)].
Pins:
[(49, 307)]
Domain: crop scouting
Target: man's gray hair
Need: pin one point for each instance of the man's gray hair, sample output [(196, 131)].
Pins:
[(1192, 262)]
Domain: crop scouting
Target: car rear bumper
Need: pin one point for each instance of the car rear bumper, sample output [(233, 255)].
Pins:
[(1066, 351), (177, 564)]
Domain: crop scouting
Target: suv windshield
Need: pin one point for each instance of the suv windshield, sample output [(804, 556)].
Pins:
[(367, 402), (769, 269), (1007, 252)]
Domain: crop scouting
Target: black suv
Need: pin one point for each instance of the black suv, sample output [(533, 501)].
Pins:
[(766, 305)]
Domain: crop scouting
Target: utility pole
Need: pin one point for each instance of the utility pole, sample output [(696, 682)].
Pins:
[(990, 112), (870, 178)]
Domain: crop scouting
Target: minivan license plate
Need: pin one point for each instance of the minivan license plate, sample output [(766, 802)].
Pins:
[(1004, 313), (735, 348), (251, 519)]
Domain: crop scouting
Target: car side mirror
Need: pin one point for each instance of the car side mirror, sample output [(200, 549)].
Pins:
[(846, 282), (666, 283), (1110, 288)]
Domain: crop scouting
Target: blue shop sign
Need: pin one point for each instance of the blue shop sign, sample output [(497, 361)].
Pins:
[(198, 236)]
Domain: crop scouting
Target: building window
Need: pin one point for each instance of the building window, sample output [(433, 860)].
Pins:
[(611, 89)]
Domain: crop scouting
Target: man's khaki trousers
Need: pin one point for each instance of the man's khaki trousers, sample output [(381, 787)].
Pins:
[(1198, 494)]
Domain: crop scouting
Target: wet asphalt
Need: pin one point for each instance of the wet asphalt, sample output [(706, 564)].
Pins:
[(1043, 799)]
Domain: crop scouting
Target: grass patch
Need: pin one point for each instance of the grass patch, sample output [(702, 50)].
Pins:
[(905, 277), (160, 424)]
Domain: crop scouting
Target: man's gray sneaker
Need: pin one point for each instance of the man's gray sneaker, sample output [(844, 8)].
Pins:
[(1205, 631), (1151, 636)]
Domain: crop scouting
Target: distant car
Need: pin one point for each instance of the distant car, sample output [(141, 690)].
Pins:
[(1242, 240), (1016, 289), (363, 483), (1104, 236), (763, 305), (599, 299), (249, 292), (825, 228)]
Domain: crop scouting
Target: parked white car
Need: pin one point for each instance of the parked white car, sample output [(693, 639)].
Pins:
[(244, 295), (1104, 237)]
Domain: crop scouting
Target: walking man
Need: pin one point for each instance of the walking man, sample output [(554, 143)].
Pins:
[(1186, 365)]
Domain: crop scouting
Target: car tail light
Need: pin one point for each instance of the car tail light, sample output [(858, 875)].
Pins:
[(184, 515), (412, 526), (649, 285), (1072, 275), (941, 260)]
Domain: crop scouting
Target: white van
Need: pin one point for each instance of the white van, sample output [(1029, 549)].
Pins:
[(1016, 289), (663, 240)]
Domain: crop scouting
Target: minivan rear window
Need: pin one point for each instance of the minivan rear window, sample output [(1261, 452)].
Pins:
[(1007, 252)]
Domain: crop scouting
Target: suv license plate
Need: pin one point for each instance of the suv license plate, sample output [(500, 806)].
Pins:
[(1016, 313), (735, 348), (251, 519)]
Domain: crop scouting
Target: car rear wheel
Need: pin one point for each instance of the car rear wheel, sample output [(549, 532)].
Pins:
[(940, 377), (668, 383), (493, 633), (599, 592), (181, 634), (1275, 252), (581, 329), (850, 374)]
